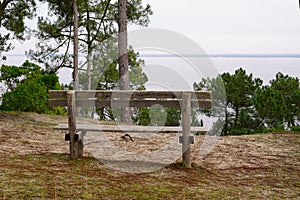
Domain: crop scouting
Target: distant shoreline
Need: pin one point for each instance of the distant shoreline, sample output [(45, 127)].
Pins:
[(217, 55), (235, 55)]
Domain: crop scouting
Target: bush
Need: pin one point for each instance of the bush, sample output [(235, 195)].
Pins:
[(240, 131), (295, 128), (277, 129), (30, 96), (28, 87), (56, 111)]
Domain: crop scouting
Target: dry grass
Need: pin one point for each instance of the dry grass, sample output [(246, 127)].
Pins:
[(34, 164)]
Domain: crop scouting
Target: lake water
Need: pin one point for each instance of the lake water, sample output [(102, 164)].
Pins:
[(264, 68), (173, 69), (177, 73)]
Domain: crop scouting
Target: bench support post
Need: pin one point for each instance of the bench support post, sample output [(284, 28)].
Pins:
[(80, 143), (186, 129), (72, 124)]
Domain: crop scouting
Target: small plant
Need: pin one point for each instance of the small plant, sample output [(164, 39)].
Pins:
[(241, 131), (295, 128), (279, 128)]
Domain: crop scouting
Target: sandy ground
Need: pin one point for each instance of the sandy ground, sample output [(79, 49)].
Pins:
[(29, 133)]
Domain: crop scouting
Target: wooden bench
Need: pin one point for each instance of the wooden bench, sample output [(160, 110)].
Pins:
[(186, 100)]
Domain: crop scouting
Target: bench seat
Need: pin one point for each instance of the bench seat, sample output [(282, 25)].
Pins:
[(129, 128)]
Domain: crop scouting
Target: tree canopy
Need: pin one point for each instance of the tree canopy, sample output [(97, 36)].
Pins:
[(251, 106), (12, 20), (97, 23), (27, 88)]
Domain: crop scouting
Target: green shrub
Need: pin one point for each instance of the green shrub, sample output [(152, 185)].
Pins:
[(279, 128), (28, 87), (57, 111), (30, 96), (240, 131), (295, 128)]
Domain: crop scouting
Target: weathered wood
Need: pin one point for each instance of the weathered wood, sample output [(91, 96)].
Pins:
[(171, 103), (72, 124), (186, 129), (80, 142), (199, 99), (120, 103), (131, 128), (58, 94), (191, 139), (58, 102), (104, 94)]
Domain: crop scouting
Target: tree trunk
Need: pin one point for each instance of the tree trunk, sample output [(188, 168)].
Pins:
[(225, 129), (237, 112), (75, 53), (123, 55), (89, 77), (89, 70)]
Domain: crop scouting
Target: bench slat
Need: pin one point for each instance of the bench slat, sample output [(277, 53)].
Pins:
[(58, 94), (141, 94), (131, 103), (58, 102), (110, 128), (61, 94)]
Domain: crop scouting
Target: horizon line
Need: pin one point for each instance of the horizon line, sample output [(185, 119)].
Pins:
[(213, 55), (227, 55)]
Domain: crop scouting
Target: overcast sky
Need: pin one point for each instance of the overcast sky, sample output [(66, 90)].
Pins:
[(237, 26), (233, 26), (224, 26)]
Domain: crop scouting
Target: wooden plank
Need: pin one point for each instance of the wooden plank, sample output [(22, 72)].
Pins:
[(104, 94), (186, 128), (87, 98), (201, 95), (131, 103), (127, 94), (57, 94), (201, 104), (170, 94), (157, 94), (138, 103), (58, 102), (132, 128), (100, 94)]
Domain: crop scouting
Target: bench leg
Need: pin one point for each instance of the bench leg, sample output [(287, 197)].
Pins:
[(80, 148), (80, 143), (76, 147), (186, 129), (72, 124), (73, 147)]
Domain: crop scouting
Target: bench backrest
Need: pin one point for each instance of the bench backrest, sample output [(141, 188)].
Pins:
[(100, 98)]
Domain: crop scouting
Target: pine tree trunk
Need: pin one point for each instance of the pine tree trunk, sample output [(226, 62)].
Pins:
[(123, 55), (75, 62), (225, 129), (89, 70)]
